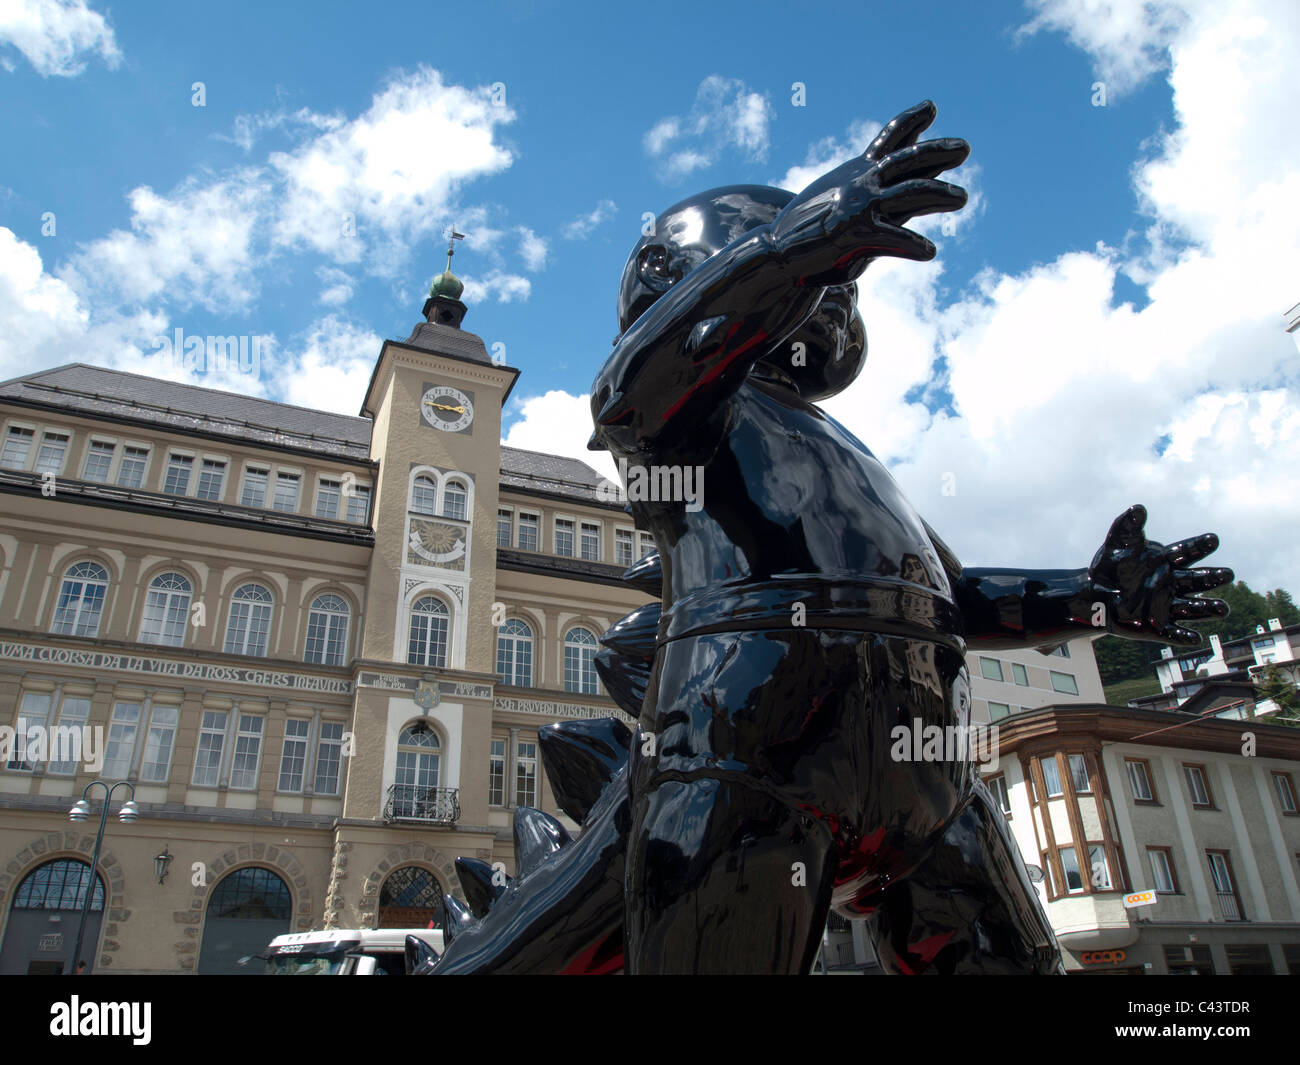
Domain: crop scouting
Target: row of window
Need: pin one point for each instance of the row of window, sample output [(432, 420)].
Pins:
[(515, 657), (1198, 786), (261, 485), (80, 610), (141, 738), (1065, 683), (521, 528)]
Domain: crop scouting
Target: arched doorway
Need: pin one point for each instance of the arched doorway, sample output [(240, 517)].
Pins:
[(411, 897), (43, 918), (247, 909)]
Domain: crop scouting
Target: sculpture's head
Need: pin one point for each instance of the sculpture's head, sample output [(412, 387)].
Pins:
[(689, 232)]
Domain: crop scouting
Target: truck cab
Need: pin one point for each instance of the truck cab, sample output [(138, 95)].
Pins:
[(353, 952)]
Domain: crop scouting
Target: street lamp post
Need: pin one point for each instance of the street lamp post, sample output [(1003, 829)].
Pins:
[(79, 812)]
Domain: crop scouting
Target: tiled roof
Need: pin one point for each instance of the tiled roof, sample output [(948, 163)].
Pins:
[(82, 389), (79, 388), (549, 474)]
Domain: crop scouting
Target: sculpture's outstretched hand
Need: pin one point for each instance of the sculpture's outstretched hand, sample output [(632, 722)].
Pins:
[(1148, 588), (856, 212)]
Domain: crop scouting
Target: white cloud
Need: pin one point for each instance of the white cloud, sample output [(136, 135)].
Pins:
[(194, 246), (41, 313), (247, 130), (726, 114), (580, 228), (532, 249), (1061, 399), (1127, 39), (558, 423), (328, 368), (56, 36), (496, 284), (339, 286), (390, 175)]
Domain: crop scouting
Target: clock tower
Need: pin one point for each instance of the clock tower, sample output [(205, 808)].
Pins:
[(428, 632)]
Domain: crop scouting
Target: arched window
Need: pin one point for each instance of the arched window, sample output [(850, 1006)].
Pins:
[(249, 624), (428, 641), (419, 769), (81, 600), (246, 910), (58, 885), (327, 630), (454, 499), (515, 653), (166, 610), (411, 897), (424, 495), (579, 667)]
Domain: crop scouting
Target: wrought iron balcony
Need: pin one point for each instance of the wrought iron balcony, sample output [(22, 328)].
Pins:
[(425, 806), (1229, 906)]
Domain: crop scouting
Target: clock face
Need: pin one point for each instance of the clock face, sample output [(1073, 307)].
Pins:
[(447, 408)]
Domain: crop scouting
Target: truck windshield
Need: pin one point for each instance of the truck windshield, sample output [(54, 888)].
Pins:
[(321, 959)]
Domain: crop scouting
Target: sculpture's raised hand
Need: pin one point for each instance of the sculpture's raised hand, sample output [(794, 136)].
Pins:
[(1148, 588), (857, 211)]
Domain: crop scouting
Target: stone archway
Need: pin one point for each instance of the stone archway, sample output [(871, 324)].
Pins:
[(56, 845), (274, 858), (407, 854)]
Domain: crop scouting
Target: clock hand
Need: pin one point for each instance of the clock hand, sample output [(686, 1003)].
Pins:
[(443, 406)]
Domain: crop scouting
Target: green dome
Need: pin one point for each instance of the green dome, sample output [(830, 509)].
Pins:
[(447, 284)]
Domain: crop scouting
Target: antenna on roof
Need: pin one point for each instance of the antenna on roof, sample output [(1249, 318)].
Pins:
[(452, 237)]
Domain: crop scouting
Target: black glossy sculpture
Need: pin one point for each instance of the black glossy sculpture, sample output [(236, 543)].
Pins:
[(806, 612)]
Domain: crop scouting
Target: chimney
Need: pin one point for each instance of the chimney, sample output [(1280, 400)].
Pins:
[(1216, 647), (1166, 652), (1275, 624), (1259, 630)]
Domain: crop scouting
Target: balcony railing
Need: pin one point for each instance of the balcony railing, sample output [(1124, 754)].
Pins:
[(426, 806), (1229, 906)]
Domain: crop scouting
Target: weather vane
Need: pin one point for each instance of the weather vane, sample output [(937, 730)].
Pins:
[(452, 237)]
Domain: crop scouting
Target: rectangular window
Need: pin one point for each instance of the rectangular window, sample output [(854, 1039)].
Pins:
[(50, 458), (997, 711), (329, 757), (590, 542), (1189, 961), (253, 492), (18, 445), (990, 669), (648, 545), (1196, 786), (623, 547), (526, 775), (248, 751), (207, 758), (359, 504), (1285, 792), (1070, 866), (1099, 867), (528, 525), (1064, 683), (1045, 858), (564, 537), (1019, 674), (156, 764), (177, 480), (212, 479), (122, 729), (130, 473), (505, 528), (286, 493), (328, 494), (1162, 870), (1061, 652), (998, 785), (1249, 960), (99, 460), (1079, 774), (497, 774), (293, 759), (1221, 871), (65, 739), (33, 713), (1139, 780), (1051, 777)]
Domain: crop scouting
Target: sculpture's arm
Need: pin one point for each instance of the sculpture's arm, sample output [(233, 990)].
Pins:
[(1134, 588), (685, 355)]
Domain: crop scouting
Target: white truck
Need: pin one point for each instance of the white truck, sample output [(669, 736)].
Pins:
[(352, 952)]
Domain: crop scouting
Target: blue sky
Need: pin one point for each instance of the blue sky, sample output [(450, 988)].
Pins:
[(1104, 325)]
